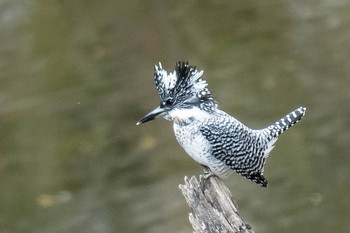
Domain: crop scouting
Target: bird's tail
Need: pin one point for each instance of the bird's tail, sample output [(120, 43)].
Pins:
[(286, 122)]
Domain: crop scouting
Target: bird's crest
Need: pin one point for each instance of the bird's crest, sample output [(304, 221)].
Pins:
[(183, 85)]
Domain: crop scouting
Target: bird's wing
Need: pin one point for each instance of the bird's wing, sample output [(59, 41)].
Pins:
[(238, 146)]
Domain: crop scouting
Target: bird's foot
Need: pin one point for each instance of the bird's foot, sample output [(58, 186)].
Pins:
[(207, 172)]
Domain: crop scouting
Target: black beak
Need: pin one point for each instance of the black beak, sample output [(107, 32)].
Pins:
[(152, 115)]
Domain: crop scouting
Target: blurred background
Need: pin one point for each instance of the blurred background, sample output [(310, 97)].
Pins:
[(77, 75)]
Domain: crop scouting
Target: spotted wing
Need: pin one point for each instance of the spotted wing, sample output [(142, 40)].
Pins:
[(238, 146)]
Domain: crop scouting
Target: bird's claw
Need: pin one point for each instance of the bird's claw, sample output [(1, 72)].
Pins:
[(207, 173)]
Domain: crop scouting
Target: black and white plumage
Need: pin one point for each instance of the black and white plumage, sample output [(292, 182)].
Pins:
[(210, 136)]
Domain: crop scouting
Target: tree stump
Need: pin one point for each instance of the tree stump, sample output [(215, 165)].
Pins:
[(213, 207)]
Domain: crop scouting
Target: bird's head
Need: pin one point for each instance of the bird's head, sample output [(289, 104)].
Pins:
[(182, 93)]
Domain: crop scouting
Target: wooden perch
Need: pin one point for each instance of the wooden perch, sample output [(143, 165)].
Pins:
[(213, 207)]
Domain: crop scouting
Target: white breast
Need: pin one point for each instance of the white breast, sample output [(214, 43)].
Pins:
[(198, 147), (193, 143)]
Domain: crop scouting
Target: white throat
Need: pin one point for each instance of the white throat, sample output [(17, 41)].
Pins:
[(188, 114)]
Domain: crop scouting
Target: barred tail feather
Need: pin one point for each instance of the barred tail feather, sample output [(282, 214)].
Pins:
[(259, 179), (286, 122)]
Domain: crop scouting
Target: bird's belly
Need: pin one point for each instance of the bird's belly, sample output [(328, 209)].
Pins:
[(194, 144), (199, 149)]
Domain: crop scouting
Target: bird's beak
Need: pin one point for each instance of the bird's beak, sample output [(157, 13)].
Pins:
[(152, 115)]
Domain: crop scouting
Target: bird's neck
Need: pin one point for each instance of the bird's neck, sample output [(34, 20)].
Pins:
[(188, 115)]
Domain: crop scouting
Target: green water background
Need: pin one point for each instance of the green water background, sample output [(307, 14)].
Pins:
[(75, 77)]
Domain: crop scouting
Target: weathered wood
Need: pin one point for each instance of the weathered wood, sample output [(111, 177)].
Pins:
[(213, 207)]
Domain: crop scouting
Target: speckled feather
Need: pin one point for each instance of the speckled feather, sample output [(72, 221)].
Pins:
[(241, 148), (183, 85)]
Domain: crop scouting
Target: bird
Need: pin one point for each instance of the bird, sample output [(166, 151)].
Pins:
[(213, 138)]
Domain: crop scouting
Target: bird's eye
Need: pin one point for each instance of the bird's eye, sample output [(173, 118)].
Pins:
[(168, 102)]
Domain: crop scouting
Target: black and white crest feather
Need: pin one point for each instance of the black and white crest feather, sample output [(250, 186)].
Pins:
[(183, 86)]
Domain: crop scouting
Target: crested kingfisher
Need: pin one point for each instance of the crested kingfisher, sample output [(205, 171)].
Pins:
[(213, 138)]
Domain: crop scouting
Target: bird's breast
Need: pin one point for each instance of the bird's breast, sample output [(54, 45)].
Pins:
[(199, 148), (193, 142)]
